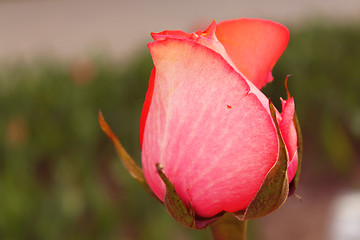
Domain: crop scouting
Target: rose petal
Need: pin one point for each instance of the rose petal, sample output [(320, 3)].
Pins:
[(215, 140), (254, 45), (288, 133), (170, 33), (206, 38)]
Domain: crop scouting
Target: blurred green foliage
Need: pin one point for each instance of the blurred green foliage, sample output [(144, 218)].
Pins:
[(60, 177)]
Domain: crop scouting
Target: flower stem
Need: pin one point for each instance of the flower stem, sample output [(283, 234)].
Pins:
[(229, 228)]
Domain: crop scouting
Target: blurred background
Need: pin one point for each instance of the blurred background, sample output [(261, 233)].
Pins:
[(62, 61)]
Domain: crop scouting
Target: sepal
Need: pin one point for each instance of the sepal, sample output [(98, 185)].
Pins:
[(134, 170), (177, 208)]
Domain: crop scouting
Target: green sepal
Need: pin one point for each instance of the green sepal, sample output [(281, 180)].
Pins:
[(174, 205), (294, 183), (177, 208), (275, 187), (134, 170)]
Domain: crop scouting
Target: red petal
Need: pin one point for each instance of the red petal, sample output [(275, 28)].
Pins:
[(146, 105), (216, 157), (254, 45)]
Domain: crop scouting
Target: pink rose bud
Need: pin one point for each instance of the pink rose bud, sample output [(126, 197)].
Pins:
[(206, 122), (211, 142)]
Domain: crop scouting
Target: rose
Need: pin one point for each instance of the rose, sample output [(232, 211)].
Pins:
[(211, 143), (204, 119)]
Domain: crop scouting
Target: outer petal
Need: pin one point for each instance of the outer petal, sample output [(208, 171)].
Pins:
[(214, 139), (146, 105), (206, 38), (288, 132), (254, 45)]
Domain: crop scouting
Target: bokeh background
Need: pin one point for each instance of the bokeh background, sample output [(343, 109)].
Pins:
[(62, 61)]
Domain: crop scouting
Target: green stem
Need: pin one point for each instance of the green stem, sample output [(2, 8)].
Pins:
[(229, 228)]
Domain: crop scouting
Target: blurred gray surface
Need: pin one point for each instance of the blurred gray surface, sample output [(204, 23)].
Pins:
[(74, 28), (346, 217)]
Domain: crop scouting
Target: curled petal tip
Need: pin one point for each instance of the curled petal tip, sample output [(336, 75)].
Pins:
[(210, 31)]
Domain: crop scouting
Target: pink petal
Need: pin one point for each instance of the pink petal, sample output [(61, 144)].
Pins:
[(206, 38), (214, 138), (289, 135), (254, 45)]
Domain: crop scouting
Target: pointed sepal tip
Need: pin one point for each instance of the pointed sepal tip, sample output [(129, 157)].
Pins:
[(130, 165)]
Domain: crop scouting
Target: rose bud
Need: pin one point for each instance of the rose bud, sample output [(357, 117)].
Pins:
[(211, 141)]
